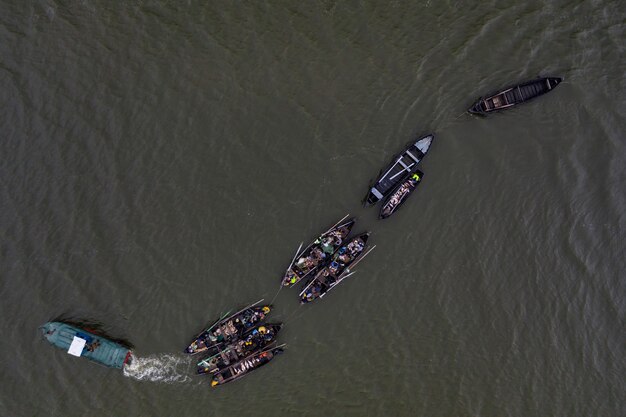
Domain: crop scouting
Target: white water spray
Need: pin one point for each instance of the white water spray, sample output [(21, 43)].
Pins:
[(159, 368)]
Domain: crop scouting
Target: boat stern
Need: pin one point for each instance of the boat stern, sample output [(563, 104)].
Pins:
[(128, 360)]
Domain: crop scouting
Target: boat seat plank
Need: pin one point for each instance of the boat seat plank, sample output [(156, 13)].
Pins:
[(413, 157)]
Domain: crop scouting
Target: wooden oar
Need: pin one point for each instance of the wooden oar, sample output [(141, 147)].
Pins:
[(298, 253), (308, 285), (203, 361), (336, 224), (226, 318), (348, 270), (337, 283), (356, 261), (322, 234), (220, 319), (243, 309)]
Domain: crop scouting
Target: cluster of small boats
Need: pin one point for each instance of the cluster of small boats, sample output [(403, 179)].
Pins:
[(242, 342), (327, 260), (237, 344), (400, 178)]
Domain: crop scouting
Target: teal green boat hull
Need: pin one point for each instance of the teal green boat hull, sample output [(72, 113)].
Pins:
[(105, 352)]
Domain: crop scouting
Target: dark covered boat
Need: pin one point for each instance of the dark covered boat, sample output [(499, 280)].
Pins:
[(515, 95), (228, 329), (80, 342), (245, 366), (400, 194), (402, 164), (346, 256), (318, 253), (260, 337)]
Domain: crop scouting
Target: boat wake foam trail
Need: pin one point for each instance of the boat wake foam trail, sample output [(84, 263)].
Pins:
[(159, 368)]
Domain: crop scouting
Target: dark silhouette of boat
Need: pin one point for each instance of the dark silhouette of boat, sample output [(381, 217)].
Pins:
[(346, 257), (228, 329), (245, 366), (261, 336), (514, 95), (318, 253), (400, 194), (401, 165)]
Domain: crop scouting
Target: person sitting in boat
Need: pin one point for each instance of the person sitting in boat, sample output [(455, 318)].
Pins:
[(330, 281), (239, 325), (319, 254), (301, 262), (261, 314), (93, 346), (327, 245), (313, 292), (343, 255)]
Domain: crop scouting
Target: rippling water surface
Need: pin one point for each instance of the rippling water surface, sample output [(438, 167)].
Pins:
[(161, 161)]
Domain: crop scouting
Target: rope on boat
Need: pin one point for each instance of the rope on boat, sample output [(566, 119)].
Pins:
[(291, 317), (277, 292)]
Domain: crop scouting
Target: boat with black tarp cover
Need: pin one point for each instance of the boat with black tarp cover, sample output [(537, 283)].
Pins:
[(402, 164), (228, 329), (328, 277), (514, 95), (245, 366), (400, 194), (318, 253), (261, 336)]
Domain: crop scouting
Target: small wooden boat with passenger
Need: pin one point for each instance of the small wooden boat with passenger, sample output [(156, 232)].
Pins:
[(260, 337), (228, 329), (400, 194), (402, 164), (328, 277), (245, 366), (514, 95), (318, 253)]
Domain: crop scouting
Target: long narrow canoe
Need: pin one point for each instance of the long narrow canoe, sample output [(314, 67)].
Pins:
[(318, 253), (263, 335), (82, 343), (400, 194), (245, 366), (346, 257), (514, 95), (401, 165), (228, 329)]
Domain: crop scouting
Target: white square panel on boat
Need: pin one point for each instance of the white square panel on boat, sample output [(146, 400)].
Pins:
[(76, 348)]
